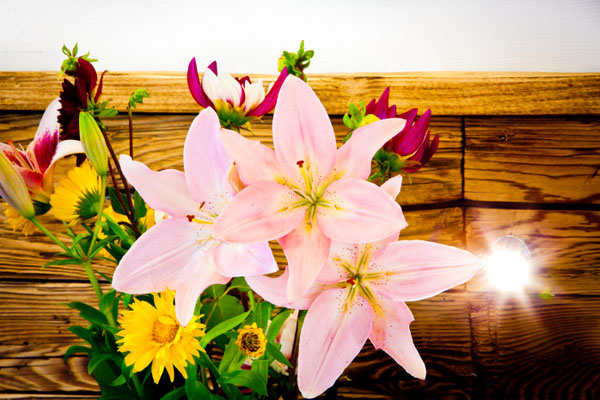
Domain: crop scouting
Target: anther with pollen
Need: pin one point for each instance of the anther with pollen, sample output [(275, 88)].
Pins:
[(190, 217), (300, 163)]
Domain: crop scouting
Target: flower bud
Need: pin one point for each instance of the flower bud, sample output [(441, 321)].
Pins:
[(93, 143), (13, 189)]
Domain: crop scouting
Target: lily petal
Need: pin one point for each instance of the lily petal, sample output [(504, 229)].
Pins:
[(204, 157), (360, 212), (302, 130), (354, 157), (66, 148), (159, 257), (391, 333), (274, 290), (258, 213), (49, 122), (254, 161), (198, 277), (332, 336), (166, 190), (391, 187), (244, 259), (416, 269), (306, 250)]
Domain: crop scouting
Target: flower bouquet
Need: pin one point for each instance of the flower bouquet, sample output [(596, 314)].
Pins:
[(196, 290)]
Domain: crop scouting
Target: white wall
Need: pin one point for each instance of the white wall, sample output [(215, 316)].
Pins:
[(348, 36)]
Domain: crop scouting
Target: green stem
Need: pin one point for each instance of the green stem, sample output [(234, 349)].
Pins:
[(99, 217), (50, 235), (138, 385), (252, 303), (92, 276)]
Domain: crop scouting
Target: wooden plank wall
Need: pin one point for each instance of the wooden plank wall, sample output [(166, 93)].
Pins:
[(519, 154)]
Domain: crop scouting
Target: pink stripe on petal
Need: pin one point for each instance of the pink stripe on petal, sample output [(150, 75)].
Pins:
[(270, 99), (360, 212), (195, 86), (333, 334), (302, 130), (416, 269), (204, 158), (254, 161), (306, 250), (49, 121), (263, 211), (274, 290), (391, 333), (354, 157), (244, 259), (165, 191)]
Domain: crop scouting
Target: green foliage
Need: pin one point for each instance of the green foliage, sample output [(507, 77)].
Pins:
[(357, 117), (69, 64), (296, 63), (137, 97)]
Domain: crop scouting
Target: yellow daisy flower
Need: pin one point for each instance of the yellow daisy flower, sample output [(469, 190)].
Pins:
[(252, 341), (78, 196), (151, 334), (18, 222)]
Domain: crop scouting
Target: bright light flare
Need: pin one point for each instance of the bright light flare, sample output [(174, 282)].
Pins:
[(508, 266)]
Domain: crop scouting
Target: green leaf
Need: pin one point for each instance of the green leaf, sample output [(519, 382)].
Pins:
[(174, 394), (274, 352), (224, 308), (119, 380), (114, 200), (261, 367), (240, 284), (77, 349), (83, 333), (249, 379), (231, 358), (101, 358), (127, 299), (88, 312), (277, 323), (139, 206), (222, 328), (68, 261)]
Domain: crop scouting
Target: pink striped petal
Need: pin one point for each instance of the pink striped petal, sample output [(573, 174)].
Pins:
[(391, 333), (354, 157), (254, 161), (165, 191), (159, 258), (302, 130), (244, 259), (204, 158), (306, 250), (198, 276), (332, 336), (360, 212), (416, 269), (259, 213), (274, 290), (195, 86), (49, 124), (271, 98)]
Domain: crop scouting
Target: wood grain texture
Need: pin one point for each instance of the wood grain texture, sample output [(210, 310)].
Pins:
[(564, 245), (46, 375), (537, 160), (35, 336), (158, 141), (537, 349), (446, 93)]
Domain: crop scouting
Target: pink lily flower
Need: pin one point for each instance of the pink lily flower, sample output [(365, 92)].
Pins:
[(181, 252), (360, 294), (36, 163), (307, 192), (237, 101)]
